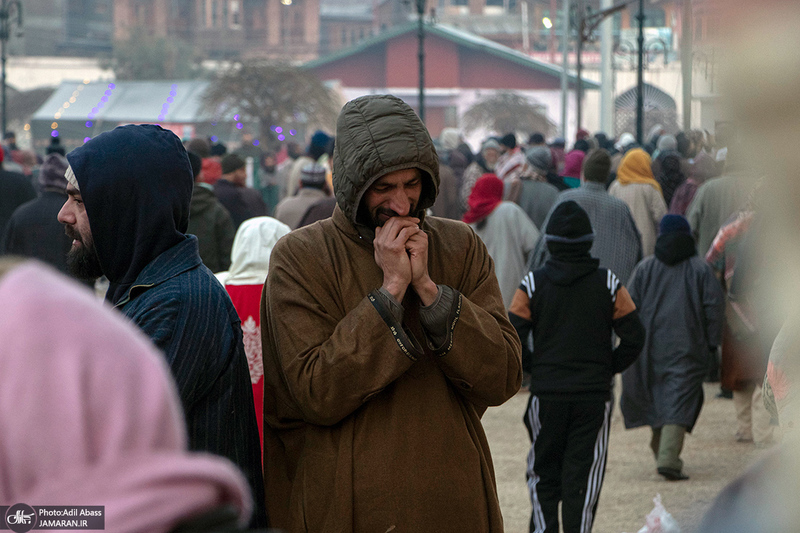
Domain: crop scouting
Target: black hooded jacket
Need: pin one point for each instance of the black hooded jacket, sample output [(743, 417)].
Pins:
[(572, 307), (136, 185)]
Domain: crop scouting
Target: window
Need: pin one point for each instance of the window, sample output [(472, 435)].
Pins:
[(235, 21)]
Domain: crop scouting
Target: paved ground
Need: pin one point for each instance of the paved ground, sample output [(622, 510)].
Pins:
[(711, 456)]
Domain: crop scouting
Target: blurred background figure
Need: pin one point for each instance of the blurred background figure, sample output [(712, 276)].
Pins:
[(572, 168), (701, 170), (681, 307), (15, 190), (531, 191), (761, 83), (209, 221), (319, 150), (33, 229), (109, 426), (313, 188), (244, 282), (269, 180), (231, 189), (636, 186), (505, 229), (484, 162)]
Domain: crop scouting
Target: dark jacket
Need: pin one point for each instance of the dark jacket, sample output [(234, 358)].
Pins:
[(572, 308), (213, 226), (182, 307), (681, 305), (15, 190), (136, 184), (242, 203), (34, 231)]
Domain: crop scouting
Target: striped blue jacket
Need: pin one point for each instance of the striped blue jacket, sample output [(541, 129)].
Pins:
[(182, 307)]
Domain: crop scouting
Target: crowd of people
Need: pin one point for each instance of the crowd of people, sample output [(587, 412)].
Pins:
[(336, 320)]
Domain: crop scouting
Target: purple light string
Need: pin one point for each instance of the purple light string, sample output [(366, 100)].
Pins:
[(96, 109), (170, 99)]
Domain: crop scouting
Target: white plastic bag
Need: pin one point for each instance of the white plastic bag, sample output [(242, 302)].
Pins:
[(659, 520)]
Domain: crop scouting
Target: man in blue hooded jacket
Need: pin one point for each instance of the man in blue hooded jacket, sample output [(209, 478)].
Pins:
[(127, 213)]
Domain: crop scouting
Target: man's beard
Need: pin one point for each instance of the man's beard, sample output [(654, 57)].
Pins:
[(82, 260)]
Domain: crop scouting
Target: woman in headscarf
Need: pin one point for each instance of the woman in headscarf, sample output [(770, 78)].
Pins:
[(636, 186), (91, 415), (572, 168), (505, 229), (244, 282)]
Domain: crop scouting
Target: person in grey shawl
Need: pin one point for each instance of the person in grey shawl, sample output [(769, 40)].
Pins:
[(531, 191), (617, 242), (681, 305)]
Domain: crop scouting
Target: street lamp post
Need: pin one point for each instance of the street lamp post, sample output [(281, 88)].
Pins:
[(7, 9), (587, 24), (640, 79), (421, 56)]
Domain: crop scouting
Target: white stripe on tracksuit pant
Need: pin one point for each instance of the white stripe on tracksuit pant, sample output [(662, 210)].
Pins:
[(566, 461)]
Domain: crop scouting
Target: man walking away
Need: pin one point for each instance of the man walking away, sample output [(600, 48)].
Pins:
[(681, 305), (617, 243)]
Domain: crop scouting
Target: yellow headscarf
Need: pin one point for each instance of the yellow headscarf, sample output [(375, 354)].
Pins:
[(635, 168)]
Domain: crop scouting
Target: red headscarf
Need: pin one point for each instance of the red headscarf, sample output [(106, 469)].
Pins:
[(485, 196), (212, 170)]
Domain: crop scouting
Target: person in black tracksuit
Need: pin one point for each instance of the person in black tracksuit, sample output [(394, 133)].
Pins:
[(572, 307)]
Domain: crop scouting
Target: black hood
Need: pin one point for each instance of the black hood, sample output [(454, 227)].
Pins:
[(673, 248), (136, 184), (563, 272)]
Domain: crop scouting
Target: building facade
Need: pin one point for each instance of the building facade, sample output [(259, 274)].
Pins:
[(227, 29)]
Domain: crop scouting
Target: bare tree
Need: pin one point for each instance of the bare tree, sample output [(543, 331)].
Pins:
[(507, 112), (271, 93), (143, 57)]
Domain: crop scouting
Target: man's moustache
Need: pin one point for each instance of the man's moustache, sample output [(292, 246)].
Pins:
[(388, 212), (72, 234)]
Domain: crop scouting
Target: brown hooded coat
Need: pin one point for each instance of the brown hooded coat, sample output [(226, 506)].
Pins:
[(367, 428)]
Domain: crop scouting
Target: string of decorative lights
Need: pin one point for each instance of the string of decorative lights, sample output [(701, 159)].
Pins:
[(57, 115), (96, 109), (171, 98)]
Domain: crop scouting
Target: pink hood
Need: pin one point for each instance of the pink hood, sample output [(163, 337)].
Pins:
[(90, 415)]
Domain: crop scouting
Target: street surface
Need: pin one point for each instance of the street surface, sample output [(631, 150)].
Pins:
[(711, 458)]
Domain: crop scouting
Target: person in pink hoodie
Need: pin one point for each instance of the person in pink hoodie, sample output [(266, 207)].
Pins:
[(91, 416), (572, 168)]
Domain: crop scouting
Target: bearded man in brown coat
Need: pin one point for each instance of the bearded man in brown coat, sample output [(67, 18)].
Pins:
[(385, 339)]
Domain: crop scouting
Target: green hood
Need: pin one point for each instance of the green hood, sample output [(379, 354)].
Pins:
[(375, 135)]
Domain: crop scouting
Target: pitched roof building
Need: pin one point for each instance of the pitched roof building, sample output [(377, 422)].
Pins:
[(460, 69)]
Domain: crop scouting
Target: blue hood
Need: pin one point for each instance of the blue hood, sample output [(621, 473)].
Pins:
[(136, 184)]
